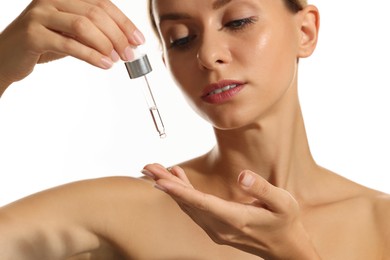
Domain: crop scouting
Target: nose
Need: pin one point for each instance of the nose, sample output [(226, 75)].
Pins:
[(213, 51)]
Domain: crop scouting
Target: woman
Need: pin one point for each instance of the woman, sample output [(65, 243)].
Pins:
[(257, 193)]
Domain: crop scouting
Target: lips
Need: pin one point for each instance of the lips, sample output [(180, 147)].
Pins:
[(221, 91)]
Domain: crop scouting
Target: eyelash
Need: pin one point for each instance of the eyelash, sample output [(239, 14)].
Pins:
[(235, 25), (240, 24), (182, 43)]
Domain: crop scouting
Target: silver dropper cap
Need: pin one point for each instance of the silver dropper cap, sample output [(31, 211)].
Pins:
[(138, 67)]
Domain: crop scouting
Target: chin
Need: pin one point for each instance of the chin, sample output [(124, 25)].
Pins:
[(232, 117), (231, 123)]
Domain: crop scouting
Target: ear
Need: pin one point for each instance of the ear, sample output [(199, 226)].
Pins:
[(309, 28)]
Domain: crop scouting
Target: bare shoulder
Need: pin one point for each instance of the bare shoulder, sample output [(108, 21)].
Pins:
[(358, 214), (381, 202), (71, 198), (381, 206)]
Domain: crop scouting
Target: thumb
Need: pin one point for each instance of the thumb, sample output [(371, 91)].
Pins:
[(263, 191), (254, 184)]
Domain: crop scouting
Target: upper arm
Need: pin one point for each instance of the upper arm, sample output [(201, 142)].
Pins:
[(73, 218), (47, 225)]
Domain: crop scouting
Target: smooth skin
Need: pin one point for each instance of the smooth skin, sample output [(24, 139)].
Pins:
[(258, 194)]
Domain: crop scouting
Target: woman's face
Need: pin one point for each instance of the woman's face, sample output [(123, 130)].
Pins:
[(233, 59)]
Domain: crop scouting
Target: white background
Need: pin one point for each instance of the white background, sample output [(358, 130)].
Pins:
[(69, 121)]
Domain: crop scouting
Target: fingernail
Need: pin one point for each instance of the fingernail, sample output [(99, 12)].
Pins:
[(106, 63), (246, 179), (148, 173), (114, 56), (138, 37), (129, 54)]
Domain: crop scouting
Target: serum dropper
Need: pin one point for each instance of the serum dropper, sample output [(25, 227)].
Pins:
[(139, 67)]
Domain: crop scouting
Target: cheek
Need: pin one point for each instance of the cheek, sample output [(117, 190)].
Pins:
[(182, 72), (179, 74), (270, 65), (271, 49), (272, 59), (182, 68)]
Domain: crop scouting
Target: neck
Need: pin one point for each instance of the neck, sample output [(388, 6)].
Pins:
[(276, 147)]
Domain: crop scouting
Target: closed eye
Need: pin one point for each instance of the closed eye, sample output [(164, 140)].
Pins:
[(235, 25), (240, 24), (182, 43)]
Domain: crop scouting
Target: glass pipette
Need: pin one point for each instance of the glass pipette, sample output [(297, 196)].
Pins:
[(139, 67)]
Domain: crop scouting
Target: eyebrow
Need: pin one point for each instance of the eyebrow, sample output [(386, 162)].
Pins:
[(173, 16), (177, 16)]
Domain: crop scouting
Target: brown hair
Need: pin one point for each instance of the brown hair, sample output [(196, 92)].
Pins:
[(293, 5)]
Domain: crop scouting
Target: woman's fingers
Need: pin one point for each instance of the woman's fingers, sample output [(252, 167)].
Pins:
[(134, 36), (94, 31), (179, 172), (196, 199), (274, 198), (175, 174), (60, 46), (264, 194), (81, 29), (175, 182), (96, 25)]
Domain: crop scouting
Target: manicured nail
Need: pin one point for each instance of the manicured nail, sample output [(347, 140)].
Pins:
[(246, 179), (129, 54), (114, 56), (138, 37), (148, 173), (106, 63)]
